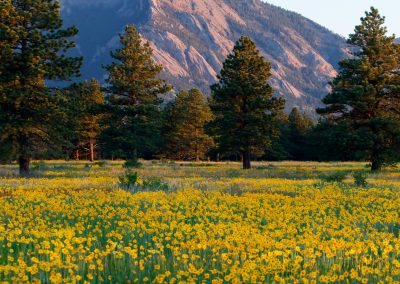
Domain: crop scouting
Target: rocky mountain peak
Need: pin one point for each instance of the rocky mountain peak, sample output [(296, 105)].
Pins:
[(191, 38)]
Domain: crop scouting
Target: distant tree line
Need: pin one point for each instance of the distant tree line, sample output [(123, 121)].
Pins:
[(129, 118)]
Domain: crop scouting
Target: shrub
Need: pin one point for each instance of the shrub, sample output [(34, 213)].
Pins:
[(338, 176), (128, 181), (360, 178)]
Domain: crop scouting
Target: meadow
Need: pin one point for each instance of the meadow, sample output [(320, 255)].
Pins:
[(286, 222)]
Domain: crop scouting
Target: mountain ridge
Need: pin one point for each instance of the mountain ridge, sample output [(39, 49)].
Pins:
[(191, 39)]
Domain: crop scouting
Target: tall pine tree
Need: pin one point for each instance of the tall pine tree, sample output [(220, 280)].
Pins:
[(365, 95), (133, 99), (185, 121), (33, 48), (243, 104)]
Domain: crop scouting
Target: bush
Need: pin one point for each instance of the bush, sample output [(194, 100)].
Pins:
[(338, 176), (360, 178), (129, 180)]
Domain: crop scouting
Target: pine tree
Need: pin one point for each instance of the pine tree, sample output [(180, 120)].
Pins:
[(365, 94), (278, 150), (33, 48), (332, 141), (299, 126), (85, 101), (133, 100), (243, 104), (185, 121)]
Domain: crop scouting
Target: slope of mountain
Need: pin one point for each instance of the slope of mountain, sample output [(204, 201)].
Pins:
[(191, 38)]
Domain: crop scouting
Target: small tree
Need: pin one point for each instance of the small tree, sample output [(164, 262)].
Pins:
[(33, 48), (299, 126), (185, 119), (133, 121), (243, 104), (279, 150), (84, 103), (365, 94)]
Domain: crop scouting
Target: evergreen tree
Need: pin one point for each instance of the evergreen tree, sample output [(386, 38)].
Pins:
[(278, 150), (243, 103), (294, 140), (33, 49), (134, 116), (299, 126), (185, 137), (365, 94), (332, 141), (84, 103)]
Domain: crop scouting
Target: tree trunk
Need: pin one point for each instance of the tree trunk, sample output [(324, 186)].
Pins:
[(197, 154), (67, 154), (91, 149), (197, 146), (376, 166), (246, 160), (77, 154), (24, 163), (376, 162), (135, 154)]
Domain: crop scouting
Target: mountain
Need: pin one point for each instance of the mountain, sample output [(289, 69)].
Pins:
[(191, 38)]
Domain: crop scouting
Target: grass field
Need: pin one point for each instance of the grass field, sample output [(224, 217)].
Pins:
[(199, 223)]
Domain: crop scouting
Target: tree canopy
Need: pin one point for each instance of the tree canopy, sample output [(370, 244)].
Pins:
[(185, 122), (365, 94), (133, 120), (243, 104), (33, 49)]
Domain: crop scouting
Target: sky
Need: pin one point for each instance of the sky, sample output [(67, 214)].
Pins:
[(341, 16)]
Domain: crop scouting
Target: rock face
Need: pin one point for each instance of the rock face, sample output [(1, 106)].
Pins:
[(191, 38)]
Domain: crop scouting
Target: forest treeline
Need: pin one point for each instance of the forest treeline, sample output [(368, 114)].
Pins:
[(131, 115)]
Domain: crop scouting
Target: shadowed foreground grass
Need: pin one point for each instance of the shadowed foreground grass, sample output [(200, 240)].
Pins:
[(280, 222)]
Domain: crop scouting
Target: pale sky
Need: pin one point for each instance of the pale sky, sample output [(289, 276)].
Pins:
[(341, 16)]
